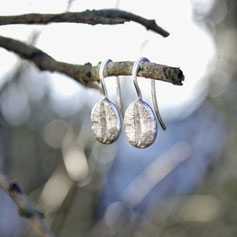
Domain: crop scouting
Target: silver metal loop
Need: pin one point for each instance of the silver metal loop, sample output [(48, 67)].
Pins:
[(101, 74), (119, 101), (134, 75), (154, 100)]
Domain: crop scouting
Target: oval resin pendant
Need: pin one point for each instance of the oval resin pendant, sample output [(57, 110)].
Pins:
[(140, 124), (106, 122)]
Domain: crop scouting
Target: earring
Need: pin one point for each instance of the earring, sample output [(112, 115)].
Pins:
[(105, 118), (139, 119)]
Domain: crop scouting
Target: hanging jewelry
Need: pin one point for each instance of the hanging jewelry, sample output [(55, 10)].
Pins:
[(139, 119), (105, 117)]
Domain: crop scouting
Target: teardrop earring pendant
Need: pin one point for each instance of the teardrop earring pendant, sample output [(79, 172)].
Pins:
[(139, 118), (105, 117)]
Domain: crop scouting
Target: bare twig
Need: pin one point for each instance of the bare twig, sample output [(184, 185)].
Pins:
[(149, 24), (88, 74), (93, 17), (25, 207)]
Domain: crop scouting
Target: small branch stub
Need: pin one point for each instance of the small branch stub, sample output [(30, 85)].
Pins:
[(25, 207)]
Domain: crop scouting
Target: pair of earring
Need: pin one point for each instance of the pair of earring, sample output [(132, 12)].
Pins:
[(139, 118)]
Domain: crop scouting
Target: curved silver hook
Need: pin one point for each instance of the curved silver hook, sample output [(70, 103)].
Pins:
[(134, 75), (153, 90), (101, 74), (119, 101), (154, 100)]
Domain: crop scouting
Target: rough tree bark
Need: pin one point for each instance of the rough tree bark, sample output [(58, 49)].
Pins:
[(87, 74)]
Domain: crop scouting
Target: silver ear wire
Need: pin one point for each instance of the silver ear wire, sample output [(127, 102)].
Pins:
[(154, 100), (101, 73), (119, 101), (134, 75)]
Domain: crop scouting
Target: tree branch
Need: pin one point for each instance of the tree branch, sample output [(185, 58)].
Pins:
[(149, 24), (25, 207), (88, 74), (92, 17)]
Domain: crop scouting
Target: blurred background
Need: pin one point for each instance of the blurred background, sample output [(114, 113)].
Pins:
[(185, 184)]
